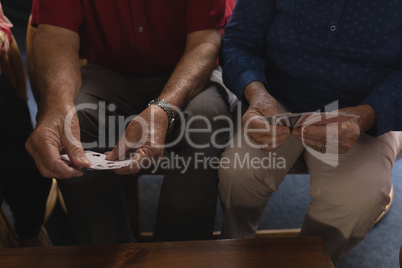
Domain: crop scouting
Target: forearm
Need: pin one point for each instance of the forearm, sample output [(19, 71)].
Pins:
[(255, 91), (193, 71), (57, 70), (367, 117), (243, 45)]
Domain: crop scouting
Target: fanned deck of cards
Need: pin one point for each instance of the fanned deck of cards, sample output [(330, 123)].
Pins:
[(294, 120), (99, 161)]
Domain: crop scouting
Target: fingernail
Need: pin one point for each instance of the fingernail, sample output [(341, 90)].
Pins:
[(109, 155), (79, 174), (85, 160)]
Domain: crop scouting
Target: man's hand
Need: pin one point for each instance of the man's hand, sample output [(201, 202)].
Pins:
[(57, 77), (50, 137), (338, 138), (146, 135), (262, 104)]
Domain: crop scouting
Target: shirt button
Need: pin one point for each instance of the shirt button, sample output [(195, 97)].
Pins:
[(333, 28), (140, 29), (337, 11)]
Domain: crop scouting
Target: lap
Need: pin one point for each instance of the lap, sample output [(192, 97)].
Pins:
[(106, 94), (365, 169), (369, 161)]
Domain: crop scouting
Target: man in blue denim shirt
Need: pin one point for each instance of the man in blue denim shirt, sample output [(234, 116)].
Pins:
[(303, 56)]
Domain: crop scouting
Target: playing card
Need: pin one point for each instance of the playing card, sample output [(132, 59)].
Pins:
[(99, 161), (278, 119), (317, 119), (283, 120), (308, 119), (302, 118), (293, 119)]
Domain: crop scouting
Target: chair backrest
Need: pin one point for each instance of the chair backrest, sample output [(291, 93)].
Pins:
[(12, 68)]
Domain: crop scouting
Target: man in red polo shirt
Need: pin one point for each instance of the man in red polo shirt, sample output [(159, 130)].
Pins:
[(145, 58)]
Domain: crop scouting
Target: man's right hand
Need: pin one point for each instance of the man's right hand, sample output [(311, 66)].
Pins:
[(262, 104), (50, 137)]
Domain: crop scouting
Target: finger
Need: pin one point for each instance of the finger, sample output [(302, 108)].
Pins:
[(46, 155), (52, 169), (60, 170), (273, 146), (258, 124), (119, 151), (318, 146), (76, 153), (135, 136), (136, 164), (71, 142), (332, 147), (311, 132), (339, 139), (270, 141), (264, 137)]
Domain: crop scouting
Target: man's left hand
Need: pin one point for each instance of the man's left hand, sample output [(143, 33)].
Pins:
[(145, 137), (340, 137)]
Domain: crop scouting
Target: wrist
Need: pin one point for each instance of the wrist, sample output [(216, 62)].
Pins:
[(367, 119), (366, 116), (256, 91), (52, 107), (164, 107)]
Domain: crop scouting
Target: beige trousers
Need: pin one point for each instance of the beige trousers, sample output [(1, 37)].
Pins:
[(346, 199)]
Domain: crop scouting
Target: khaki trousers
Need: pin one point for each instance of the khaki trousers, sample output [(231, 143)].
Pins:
[(346, 199)]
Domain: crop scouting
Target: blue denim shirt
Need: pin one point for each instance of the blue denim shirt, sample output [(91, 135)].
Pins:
[(310, 53)]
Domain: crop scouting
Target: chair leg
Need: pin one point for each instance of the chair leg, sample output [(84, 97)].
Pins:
[(8, 237), (391, 195), (51, 200)]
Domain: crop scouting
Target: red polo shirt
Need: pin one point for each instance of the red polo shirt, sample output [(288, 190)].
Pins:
[(133, 36)]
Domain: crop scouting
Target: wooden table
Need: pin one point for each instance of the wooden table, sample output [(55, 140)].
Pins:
[(274, 252)]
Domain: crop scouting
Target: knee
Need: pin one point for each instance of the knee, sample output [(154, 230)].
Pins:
[(240, 188), (366, 208), (357, 208), (228, 180)]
